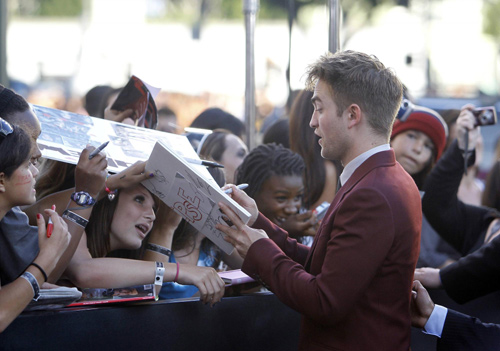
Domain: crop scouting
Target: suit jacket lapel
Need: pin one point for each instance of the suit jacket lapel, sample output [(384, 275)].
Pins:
[(380, 159)]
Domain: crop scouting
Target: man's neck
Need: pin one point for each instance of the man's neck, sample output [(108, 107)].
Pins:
[(362, 146)]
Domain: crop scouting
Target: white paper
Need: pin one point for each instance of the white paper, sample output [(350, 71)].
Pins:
[(180, 185)]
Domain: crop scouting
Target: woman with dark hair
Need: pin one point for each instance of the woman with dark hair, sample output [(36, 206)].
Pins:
[(320, 175), (225, 148), (17, 181), (21, 247), (122, 222), (108, 225)]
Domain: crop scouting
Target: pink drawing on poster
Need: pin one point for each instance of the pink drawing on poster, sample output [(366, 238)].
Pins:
[(189, 208)]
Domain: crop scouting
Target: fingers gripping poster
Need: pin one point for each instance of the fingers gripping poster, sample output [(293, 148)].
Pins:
[(195, 197)]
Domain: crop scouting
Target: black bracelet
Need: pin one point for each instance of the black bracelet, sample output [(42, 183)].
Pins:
[(30, 278), (158, 248), (41, 270)]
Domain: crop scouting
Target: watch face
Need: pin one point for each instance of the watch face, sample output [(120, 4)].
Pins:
[(82, 198)]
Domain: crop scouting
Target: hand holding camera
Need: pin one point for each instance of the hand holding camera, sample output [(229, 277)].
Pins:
[(468, 123), (485, 116)]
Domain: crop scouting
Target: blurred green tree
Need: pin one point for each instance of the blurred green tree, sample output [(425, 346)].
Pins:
[(491, 24), (47, 8)]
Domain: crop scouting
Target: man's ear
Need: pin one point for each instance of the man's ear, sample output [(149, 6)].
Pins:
[(3, 180), (354, 115)]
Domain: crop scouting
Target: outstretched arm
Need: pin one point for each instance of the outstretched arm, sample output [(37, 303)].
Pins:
[(14, 297), (106, 272), (457, 223), (334, 288)]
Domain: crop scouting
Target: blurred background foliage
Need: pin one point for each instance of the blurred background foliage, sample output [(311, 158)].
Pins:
[(183, 9)]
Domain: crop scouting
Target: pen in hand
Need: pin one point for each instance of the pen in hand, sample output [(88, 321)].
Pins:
[(99, 149), (50, 224), (241, 187), (50, 228)]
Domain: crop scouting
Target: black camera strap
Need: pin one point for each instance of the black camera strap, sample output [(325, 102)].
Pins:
[(466, 151)]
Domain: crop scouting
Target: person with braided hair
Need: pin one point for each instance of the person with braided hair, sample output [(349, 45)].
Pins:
[(274, 175)]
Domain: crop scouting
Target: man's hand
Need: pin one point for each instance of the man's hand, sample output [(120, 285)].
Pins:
[(90, 175), (421, 305), (244, 201), (466, 121), (429, 277), (239, 235)]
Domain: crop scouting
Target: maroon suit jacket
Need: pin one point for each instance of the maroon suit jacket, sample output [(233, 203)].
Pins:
[(353, 285)]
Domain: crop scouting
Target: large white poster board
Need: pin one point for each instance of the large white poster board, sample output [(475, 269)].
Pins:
[(66, 134)]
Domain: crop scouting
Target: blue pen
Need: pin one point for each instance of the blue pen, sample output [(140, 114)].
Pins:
[(241, 187)]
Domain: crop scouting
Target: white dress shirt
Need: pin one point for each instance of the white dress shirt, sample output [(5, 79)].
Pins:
[(358, 161), (435, 323)]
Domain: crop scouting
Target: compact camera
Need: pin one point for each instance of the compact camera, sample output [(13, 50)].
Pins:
[(485, 116)]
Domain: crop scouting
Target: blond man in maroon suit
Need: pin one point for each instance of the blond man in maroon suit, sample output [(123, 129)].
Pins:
[(353, 285)]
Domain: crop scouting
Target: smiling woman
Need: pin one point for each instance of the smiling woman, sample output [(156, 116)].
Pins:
[(274, 175)]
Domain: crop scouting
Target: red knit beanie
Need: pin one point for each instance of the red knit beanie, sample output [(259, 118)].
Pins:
[(426, 121)]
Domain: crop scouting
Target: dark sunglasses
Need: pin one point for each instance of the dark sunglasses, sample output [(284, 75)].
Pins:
[(5, 128)]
